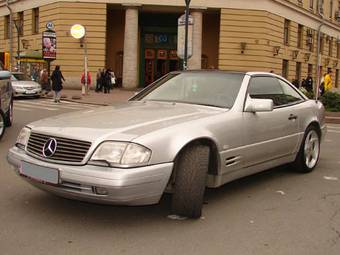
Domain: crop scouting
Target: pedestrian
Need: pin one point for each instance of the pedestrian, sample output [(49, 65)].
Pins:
[(89, 80), (308, 85), (322, 85), (57, 83), (328, 81), (44, 82), (35, 74), (99, 81), (113, 78), (107, 81)]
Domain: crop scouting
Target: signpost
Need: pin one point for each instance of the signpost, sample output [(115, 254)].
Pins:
[(185, 35), (49, 46), (79, 32)]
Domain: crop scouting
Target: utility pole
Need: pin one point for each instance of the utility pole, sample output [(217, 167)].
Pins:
[(10, 34), (187, 9), (18, 25)]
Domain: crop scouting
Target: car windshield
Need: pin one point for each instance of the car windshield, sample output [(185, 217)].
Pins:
[(206, 88), (20, 77)]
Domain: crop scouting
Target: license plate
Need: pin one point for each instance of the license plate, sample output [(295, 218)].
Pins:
[(30, 92), (40, 173)]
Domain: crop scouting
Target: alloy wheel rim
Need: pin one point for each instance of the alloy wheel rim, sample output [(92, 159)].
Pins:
[(2, 124), (312, 149), (11, 113)]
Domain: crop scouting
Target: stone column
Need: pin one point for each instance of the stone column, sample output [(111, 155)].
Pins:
[(195, 61), (130, 59)]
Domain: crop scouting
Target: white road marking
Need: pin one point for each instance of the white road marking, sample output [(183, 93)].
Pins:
[(36, 107), (331, 178), (333, 131), (333, 127), (21, 109), (50, 105)]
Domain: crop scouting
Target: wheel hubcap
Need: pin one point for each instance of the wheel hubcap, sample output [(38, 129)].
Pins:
[(312, 149), (2, 124)]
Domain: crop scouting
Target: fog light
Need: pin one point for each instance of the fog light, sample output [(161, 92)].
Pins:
[(100, 191)]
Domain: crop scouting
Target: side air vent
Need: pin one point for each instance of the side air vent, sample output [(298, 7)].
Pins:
[(231, 161)]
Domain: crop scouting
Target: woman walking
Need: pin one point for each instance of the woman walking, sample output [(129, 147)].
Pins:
[(57, 83)]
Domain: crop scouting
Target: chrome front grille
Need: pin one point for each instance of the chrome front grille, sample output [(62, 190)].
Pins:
[(69, 150)]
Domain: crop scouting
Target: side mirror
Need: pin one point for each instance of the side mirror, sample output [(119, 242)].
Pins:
[(5, 75), (259, 105)]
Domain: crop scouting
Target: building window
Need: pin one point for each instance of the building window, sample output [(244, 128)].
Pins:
[(35, 21), (300, 37), (336, 78), (286, 32), (298, 73), (310, 69), (310, 39), (285, 68), (330, 52), (7, 28), (322, 43), (331, 9), (338, 50), (21, 23), (320, 6), (311, 4)]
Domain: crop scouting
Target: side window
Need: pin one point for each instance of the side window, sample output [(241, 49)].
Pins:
[(291, 95), (272, 88)]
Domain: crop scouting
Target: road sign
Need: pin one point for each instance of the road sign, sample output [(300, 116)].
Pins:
[(181, 36)]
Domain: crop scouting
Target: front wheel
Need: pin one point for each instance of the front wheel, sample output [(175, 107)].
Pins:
[(309, 152), (9, 116), (2, 124), (190, 181)]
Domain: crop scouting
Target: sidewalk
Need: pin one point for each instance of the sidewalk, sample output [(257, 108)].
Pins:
[(115, 95), (120, 95)]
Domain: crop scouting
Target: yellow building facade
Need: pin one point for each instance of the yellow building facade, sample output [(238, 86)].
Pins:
[(138, 39)]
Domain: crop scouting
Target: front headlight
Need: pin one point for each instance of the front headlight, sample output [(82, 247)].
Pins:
[(121, 154), (23, 137)]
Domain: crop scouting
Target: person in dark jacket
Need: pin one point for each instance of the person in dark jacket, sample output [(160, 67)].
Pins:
[(107, 81), (57, 83)]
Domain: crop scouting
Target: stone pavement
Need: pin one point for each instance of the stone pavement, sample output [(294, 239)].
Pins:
[(120, 95), (115, 95)]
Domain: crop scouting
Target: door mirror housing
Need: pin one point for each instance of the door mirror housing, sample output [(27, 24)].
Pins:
[(259, 105)]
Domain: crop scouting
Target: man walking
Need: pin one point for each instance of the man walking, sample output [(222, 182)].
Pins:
[(328, 81)]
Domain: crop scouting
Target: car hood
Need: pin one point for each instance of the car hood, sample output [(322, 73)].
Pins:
[(123, 121), (25, 84)]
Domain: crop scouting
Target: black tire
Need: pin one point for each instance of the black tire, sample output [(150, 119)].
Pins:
[(2, 124), (301, 164), (9, 116), (190, 181)]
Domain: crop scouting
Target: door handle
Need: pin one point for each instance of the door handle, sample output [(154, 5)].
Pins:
[(292, 117)]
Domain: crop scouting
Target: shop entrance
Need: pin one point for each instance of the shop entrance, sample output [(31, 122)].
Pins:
[(159, 62), (158, 46)]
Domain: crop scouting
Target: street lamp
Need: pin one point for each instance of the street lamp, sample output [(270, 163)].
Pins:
[(79, 32), (185, 61), (19, 26)]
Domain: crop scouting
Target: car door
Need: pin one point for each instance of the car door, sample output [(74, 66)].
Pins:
[(271, 135)]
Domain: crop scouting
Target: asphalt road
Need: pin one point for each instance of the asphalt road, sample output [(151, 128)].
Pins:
[(275, 212)]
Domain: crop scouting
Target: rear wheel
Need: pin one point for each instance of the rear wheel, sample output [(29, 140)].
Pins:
[(309, 152), (190, 181), (9, 116), (2, 124)]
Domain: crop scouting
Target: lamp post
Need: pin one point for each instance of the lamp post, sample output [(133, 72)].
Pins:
[(318, 62), (18, 25), (79, 32), (185, 60)]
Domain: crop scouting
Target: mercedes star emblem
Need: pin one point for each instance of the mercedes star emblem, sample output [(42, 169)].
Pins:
[(50, 147)]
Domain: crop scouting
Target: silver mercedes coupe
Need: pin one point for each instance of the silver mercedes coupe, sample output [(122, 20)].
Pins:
[(183, 133)]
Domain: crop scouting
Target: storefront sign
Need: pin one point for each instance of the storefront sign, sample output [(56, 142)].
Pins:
[(49, 43), (181, 36)]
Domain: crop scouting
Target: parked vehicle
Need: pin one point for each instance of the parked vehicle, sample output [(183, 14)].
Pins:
[(185, 132), (23, 86), (6, 101)]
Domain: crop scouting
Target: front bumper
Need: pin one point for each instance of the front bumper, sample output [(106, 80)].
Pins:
[(133, 186), (27, 93)]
